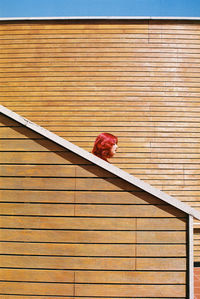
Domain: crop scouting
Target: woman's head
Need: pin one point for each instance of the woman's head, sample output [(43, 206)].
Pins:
[(105, 146)]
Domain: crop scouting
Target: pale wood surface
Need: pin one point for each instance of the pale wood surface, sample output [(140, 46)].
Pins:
[(70, 228), (136, 79)]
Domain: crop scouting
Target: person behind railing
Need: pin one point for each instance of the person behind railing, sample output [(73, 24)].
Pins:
[(105, 146)]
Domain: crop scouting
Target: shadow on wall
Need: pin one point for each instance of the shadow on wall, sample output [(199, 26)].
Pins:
[(91, 176)]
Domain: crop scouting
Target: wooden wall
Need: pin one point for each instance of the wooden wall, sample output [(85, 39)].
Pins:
[(71, 230), (197, 282), (197, 244), (136, 79)]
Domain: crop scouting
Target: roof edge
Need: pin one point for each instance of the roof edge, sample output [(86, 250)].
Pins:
[(99, 18), (105, 165)]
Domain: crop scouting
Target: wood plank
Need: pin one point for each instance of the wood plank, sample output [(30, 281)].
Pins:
[(110, 79), (29, 145), (59, 122), (95, 67), (89, 73), (37, 209), (193, 35), (61, 39), (83, 25), (103, 277), (161, 264), (73, 250), (44, 157), (154, 38), (104, 93), (162, 237), (66, 53), (90, 81), (78, 38), (162, 50), (65, 58), (9, 55), (161, 250), (135, 43), (161, 224), (69, 223), (98, 184), (95, 53), (196, 254), (197, 259), (103, 197), (149, 161), (18, 132), (146, 113), (100, 62), (131, 110), (133, 197), (52, 236), (163, 164), (173, 31), (153, 103), (131, 290), (49, 289), (62, 276), (133, 277), (165, 182), (84, 124), (195, 188), (40, 170), (77, 32), (89, 210), (89, 184), (38, 183), (91, 118), (27, 196), (104, 47), (126, 211), (68, 263), (58, 34), (58, 171)]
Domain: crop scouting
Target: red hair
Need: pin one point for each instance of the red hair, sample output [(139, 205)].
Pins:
[(103, 144)]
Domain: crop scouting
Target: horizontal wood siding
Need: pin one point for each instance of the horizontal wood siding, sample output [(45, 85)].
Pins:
[(136, 79), (71, 230), (197, 245)]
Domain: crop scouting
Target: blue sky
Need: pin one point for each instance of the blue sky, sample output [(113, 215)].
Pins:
[(64, 8)]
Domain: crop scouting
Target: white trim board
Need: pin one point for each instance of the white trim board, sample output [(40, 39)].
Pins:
[(103, 164), (191, 258), (99, 18)]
